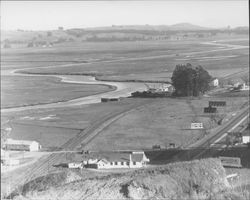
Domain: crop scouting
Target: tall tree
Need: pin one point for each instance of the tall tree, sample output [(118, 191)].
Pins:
[(188, 81)]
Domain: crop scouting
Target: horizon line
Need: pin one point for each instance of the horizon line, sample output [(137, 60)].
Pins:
[(120, 25)]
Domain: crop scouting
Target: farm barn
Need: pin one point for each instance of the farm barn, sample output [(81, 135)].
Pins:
[(22, 145), (121, 160)]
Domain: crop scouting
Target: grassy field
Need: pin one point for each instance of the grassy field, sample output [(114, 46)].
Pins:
[(124, 59), (29, 90), (158, 68), (237, 42), (162, 122), (118, 61), (53, 127), (49, 137)]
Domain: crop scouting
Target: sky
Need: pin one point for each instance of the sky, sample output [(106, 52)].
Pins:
[(49, 15)]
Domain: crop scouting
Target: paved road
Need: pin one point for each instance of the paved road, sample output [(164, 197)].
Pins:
[(203, 145)]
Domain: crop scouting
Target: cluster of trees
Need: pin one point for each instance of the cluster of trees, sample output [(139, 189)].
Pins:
[(190, 81)]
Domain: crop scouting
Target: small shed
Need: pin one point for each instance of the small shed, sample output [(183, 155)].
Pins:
[(245, 139), (22, 145), (215, 82), (75, 165), (245, 136)]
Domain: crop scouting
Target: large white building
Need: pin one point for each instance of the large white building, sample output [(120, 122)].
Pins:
[(120, 160), (22, 145)]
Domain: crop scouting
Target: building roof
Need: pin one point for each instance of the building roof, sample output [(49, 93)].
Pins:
[(123, 157), (19, 142), (108, 157), (246, 132)]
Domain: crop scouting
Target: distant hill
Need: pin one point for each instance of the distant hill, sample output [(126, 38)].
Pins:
[(179, 26), (187, 26), (180, 31)]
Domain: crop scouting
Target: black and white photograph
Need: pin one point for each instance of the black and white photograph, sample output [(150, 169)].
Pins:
[(125, 100)]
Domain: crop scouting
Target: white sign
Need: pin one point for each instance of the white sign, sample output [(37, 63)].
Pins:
[(196, 126)]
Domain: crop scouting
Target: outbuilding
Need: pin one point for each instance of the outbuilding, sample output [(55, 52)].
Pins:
[(22, 145), (215, 82), (245, 139), (75, 165)]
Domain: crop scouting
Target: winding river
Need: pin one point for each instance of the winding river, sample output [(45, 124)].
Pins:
[(123, 89)]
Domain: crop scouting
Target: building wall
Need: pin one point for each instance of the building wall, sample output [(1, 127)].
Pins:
[(119, 165), (216, 82), (17, 147), (34, 146), (245, 139), (75, 165)]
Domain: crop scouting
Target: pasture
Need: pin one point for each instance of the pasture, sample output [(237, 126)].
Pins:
[(164, 121), (53, 127), (154, 63), (126, 59), (161, 122), (19, 91)]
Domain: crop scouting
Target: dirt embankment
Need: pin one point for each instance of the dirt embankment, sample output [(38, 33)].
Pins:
[(204, 179)]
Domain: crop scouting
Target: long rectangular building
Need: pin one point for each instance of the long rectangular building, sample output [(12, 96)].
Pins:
[(22, 145)]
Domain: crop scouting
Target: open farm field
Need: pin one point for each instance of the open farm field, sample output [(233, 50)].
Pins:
[(49, 137), (91, 52), (233, 94), (244, 42), (30, 90), (153, 61), (53, 127), (162, 122)]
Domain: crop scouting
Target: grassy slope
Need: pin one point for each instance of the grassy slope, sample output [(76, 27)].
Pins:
[(204, 179)]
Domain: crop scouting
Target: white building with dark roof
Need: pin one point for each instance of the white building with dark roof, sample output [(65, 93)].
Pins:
[(120, 160), (246, 136)]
